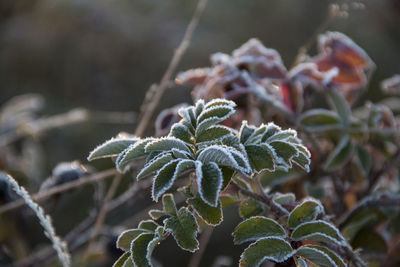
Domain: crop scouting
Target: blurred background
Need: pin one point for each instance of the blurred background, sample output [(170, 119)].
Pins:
[(103, 55)]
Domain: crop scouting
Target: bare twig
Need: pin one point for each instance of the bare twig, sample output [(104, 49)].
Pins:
[(74, 116), (204, 239), (332, 15), (101, 216), (59, 189), (85, 226), (156, 92)]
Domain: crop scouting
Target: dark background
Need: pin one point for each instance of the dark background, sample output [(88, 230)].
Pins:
[(104, 55)]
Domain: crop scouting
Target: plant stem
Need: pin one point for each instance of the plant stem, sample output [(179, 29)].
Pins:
[(155, 92), (278, 211), (59, 189)]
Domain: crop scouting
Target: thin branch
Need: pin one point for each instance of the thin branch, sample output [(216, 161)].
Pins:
[(156, 92), (262, 198), (204, 239), (101, 216), (47, 253), (59, 189), (332, 15), (74, 116)]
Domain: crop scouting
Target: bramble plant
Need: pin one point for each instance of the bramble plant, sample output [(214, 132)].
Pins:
[(310, 165), (214, 156), (221, 165)]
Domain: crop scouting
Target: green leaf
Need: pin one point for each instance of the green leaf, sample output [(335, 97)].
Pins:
[(341, 106), (370, 242), (340, 156), (270, 248), (157, 214), (181, 132), (270, 130), (282, 135), (283, 199), (317, 256), (165, 177), (245, 132), (335, 257), (134, 151), (250, 207), (219, 102), (300, 262), (218, 111), (166, 144), (227, 174), (125, 238), (308, 210), (148, 225), (286, 151), (363, 159), (142, 248), (154, 165), (255, 228), (319, 120), (213, 134), (220, 155), (227, 200), (121, 260), (209, 181), (261, 157), (303, 160), (363, 219), (184, 229), (211, 215), (128, 263), (169, 204), (112, 147), (318, 231), (187, 113)]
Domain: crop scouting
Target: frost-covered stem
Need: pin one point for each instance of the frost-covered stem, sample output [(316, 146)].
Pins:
[(150, 106), (278, 211), (45, 221), (59, 189)]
